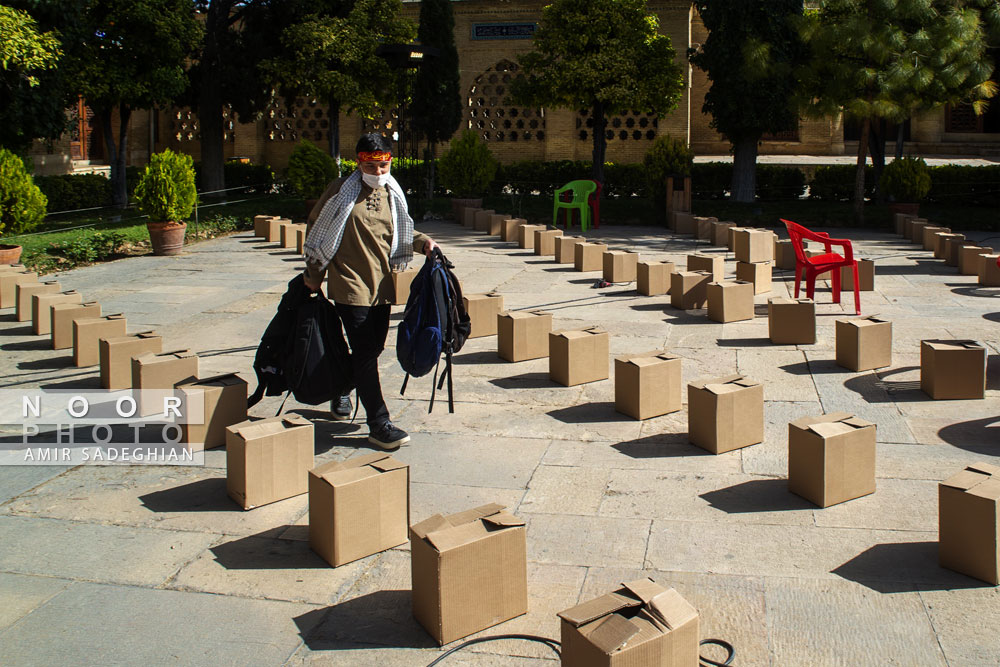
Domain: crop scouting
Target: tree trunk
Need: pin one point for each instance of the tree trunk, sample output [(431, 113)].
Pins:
[(600, 142), (213, 175), (744, 184), (116, 153), (334, 133), (859, 172), (431, 164), (900, 134), (876, 146)]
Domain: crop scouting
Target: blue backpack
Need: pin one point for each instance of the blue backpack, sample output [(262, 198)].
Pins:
[(434, 323)]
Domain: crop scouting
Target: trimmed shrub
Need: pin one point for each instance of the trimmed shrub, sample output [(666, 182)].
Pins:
[(711, 180), (905, 180), (961, 184), (777, 183), (836, 182), (310, 170), (666, 157), (468, 167), (22, 204), (70, 192), (166, 191)]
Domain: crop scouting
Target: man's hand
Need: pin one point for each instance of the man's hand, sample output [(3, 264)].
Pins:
[(310, 285), (429, 247)]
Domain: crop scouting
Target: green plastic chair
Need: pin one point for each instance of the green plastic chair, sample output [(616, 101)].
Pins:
[(581, 202)]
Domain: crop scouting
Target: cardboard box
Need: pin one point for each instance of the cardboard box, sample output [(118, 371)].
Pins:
[(968, 259), (288, 233), (469, 571), (684, 223), (642, 624), (730, 301), (757, 273), (63, 316), (41, 309), (866, 276), (268, 460), (508, 229), (929, 239), (989, 272), (731, 238), (953, 249), (620, 266), (725, 413), (908, 226), (720, 233), (224, 403), (714, 264), (261, 224), (300, 240), (161, 370), (941, 243), (916, 230), (831, 458), (545, 241), (648, 385), (25, 291), (526, 236), (358, 507), (9, 280), (900, 219), (704, 227), (116, 356), (753, 245), (689, 289), (589, 256), (791, 321), (953, 369), (784, 254), (401, 281), (469, 216), (566, 248), (969, 522), (523, 335), (87, 333), (864, 343), (481, 220), (653, 278), (13, 268), (274, 226), (578, 357), (483, 310), (494, 223)]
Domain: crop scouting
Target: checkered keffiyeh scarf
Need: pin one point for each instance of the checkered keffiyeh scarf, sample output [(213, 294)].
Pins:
[(326, 234)]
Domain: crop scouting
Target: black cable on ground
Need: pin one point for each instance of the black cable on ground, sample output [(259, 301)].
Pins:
[(554, 645)]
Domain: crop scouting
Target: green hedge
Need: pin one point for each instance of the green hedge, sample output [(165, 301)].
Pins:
[(71, 192), (955, 184), (836, 182)]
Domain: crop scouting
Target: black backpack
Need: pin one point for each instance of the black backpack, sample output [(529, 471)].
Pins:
[(303, 350), (434, 323)]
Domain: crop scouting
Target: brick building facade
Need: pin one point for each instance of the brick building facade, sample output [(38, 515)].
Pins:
[(489, 36)]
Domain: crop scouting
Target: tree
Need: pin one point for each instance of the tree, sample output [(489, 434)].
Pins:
[(749, 55), (602, 55), (330, 56), (887, 59), (437, 105), (124, 55), (238, 36), (32, 100)]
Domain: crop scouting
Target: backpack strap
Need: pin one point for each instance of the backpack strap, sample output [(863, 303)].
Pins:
[(402, 390), (434, 384), (282, 406)]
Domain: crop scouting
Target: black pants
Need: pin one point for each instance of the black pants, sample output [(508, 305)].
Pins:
[(366, 328)]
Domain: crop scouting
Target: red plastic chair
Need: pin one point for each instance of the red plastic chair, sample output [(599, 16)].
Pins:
[(595, 205), (811, 267)]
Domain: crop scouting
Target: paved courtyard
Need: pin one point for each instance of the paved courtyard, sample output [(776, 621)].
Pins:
[(153, 564)]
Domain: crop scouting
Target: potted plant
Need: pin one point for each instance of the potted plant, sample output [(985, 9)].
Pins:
[(167, 194), (466, 169), (310, 170), (669, 158), (905, 181), (22, 204)]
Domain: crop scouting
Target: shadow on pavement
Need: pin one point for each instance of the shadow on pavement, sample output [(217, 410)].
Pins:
[(660, 446), (743, 342), (470, 358), (758, 495), (875, 389), (380, 618), (981, 436), (525, 381), (589, 413), (264, 552), (901, 567), (204, 495)]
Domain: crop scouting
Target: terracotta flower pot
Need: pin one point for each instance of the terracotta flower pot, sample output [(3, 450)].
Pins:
[(167, 237), (10, 254)]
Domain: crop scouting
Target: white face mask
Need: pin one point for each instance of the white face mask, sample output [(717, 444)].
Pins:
[(375, 180)]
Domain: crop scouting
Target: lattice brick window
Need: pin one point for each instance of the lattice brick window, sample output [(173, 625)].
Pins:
[(962, 118), (305, 120), (184, 125), (634, 126), (385, 122), (492, 113)]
